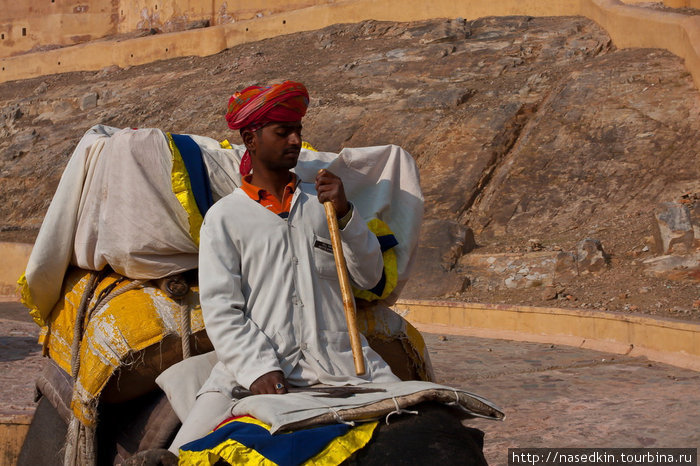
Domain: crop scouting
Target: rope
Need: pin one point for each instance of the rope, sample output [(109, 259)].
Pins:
[(398, 410), (176, 288), (339, 418), (103, 294), (71, 456), (186, 328), (113, 294), (78, 324), (456, 402)]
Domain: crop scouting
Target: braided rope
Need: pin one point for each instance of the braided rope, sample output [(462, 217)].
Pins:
[(114, 293), (78, 325), (186, 329)]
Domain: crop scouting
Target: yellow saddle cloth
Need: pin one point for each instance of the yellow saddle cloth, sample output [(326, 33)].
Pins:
[(137, 332)]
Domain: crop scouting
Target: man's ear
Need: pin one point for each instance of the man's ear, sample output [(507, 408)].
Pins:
[(250, 140)]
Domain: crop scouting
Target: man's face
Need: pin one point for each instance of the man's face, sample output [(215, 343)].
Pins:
[(277, 146)]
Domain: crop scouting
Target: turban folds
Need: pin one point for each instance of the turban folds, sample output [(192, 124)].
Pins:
[(255, 106)]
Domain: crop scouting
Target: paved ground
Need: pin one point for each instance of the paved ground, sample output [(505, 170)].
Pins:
[(20, 360), (557, 396), (554, 396)]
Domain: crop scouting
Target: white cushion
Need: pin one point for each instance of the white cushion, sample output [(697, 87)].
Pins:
[(182, 381)]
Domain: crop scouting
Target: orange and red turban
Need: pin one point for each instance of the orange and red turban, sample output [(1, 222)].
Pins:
[(255, 106)]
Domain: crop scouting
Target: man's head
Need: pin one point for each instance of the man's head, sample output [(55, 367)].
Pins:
[(269, 119), (275, 146)]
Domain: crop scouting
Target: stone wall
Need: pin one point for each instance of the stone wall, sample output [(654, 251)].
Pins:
[(15, 257), (35, 25), (178, 15), (38, 25), (629, 26)]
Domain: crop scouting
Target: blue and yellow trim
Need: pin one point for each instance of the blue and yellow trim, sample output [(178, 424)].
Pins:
[(228, 443), (182, 189), (390, 274)]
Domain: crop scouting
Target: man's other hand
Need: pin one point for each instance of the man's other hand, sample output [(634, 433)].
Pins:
[(272, 383), (330, 188)]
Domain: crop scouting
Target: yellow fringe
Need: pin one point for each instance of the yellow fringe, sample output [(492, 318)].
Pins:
[(231, 451), (307, 146), (28, 301)]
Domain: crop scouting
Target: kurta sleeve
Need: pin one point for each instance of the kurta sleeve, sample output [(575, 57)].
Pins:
[(239, 343), (363, 254)]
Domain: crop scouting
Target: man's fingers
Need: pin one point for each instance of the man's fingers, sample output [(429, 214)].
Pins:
[(323, 173), (327, 191), (330, 188), (322, 188), (269, 384), (324, 176)]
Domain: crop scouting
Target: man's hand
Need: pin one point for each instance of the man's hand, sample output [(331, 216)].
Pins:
[(330, 188), (272, 383)]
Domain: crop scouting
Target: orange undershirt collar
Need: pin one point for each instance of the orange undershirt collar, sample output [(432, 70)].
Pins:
[(268, 200)]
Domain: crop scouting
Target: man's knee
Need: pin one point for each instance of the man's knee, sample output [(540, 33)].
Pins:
[(207, 412)]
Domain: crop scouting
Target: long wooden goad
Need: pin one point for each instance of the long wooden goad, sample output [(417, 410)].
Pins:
[(345, 289)]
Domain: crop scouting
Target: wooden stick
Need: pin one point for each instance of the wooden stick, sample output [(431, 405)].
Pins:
[(345, 289)]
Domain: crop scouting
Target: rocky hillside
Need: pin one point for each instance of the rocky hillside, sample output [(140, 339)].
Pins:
[(545, 153)]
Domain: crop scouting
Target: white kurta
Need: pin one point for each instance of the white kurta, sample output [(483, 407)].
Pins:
[(270, 294)]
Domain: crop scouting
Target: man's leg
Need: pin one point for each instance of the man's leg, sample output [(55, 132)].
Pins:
[(207, 412)]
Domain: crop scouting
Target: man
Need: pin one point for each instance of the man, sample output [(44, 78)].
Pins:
[(268, 285)]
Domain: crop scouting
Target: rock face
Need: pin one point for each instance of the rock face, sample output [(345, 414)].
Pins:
[(88, 101), (675, 232), (590, 256), (532, 269), (437, 258), (510, 270), (677, 239), (522, 128)]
